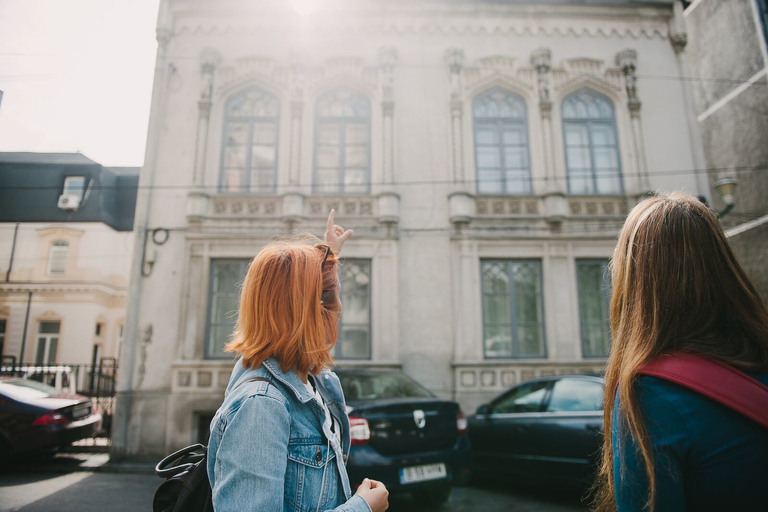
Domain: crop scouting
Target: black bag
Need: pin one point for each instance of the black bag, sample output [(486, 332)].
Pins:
[(186, 488)]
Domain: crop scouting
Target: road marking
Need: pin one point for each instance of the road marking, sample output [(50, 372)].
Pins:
[(18, 496)]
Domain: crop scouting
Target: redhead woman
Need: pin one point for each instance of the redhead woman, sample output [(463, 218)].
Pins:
[(281, 438), (678, 287)]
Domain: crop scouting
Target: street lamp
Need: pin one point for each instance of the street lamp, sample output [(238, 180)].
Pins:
[(726, 188)]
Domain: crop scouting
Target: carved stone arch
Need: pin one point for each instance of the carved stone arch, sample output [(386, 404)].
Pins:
[(331, 84), (251, 71), (222, 94), (589, 82), (503, 82)]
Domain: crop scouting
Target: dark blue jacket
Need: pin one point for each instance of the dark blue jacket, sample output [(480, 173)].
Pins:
[(707, 456)]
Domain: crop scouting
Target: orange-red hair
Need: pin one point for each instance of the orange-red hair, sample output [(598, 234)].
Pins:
[(289, 308)]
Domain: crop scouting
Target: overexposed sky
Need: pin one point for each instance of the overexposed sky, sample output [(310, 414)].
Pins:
[(77, 76)]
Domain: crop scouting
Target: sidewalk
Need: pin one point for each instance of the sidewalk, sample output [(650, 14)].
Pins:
[(77, 459)]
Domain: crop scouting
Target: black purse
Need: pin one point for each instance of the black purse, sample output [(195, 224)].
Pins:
[(186, 487)]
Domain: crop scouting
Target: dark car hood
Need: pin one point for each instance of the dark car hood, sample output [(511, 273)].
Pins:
[(384, 402)]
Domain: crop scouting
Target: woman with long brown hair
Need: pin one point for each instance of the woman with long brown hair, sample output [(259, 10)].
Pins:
[(677, 287), (281, 438)]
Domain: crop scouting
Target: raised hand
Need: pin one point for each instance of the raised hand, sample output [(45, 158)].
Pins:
[(335, 236)]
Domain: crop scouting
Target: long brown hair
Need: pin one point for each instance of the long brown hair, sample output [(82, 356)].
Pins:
[(289, 308), (676, 286)]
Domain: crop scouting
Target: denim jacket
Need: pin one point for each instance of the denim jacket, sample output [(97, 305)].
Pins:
[(268, 450)]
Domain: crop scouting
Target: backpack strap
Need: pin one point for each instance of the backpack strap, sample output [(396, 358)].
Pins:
[(713, 379)]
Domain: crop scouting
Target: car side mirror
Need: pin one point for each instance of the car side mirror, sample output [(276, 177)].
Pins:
[(483, 409)]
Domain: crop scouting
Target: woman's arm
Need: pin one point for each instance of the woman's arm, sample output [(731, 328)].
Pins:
[(252, 457)]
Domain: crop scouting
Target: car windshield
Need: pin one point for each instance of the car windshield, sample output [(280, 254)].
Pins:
[(373, 386), (26, 389)]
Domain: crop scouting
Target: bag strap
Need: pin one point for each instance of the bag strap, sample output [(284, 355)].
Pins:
[(713, 379)]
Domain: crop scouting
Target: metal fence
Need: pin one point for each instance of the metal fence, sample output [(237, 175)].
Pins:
[(96, 381)]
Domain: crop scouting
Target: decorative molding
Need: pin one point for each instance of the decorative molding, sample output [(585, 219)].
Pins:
[(596, 206), (505, 206), (363, 206), (499, 67), (490, 375), (679, 42), (575, 70)]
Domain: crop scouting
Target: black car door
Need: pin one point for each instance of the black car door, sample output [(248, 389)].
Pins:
[(501, 438), (568, 433)]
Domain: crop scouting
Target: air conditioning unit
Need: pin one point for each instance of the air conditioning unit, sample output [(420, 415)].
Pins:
[(69, 201)]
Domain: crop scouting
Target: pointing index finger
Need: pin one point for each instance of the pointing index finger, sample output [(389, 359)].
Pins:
[(329, 229)]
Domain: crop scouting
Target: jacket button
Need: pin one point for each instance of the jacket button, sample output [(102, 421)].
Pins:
[(318, 456)]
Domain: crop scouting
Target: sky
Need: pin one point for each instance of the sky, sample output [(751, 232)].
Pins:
[(76, 75)]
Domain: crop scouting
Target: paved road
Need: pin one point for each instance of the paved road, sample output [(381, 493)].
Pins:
[(84, 491)]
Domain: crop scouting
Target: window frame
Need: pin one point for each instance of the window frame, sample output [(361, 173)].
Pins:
[(66, 189), (336, 352), (209, 324), (498, 124), (342, 123), (589, 124), (762, 14), (245, 188), (508, 262), (604, 262), (47, 337), (57, 248)]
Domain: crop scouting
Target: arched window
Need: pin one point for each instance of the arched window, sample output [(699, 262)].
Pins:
[(342, 143), (57, 258), (591, 144), (249, 152), (501, 143)]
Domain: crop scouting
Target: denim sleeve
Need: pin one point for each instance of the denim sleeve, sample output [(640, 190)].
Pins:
[(354, 504), (252, 457), (669, 438)]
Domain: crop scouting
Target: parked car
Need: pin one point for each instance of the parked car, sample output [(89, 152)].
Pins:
[(38, 417), (404, 436), (546, 431)]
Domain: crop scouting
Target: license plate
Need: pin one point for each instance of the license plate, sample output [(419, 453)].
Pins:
[(422, 473), (80, 411)]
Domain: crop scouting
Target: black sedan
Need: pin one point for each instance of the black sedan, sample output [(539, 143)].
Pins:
[(38, 417), (546, 431), (404, 436)]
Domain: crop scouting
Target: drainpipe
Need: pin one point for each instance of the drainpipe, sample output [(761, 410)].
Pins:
[(13, 251), (125, 384), (24, 335)]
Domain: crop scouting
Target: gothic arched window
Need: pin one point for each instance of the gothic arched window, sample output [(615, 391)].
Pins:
[(342, 143), (591, 144), (501, 143), (249, 150)]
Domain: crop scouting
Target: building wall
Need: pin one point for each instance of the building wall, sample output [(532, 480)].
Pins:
[(91, 290), (422, 224), (727, 49)]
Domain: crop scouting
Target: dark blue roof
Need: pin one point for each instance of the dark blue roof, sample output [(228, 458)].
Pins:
[(31, 183)]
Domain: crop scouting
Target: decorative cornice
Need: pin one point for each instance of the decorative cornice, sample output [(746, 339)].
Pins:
[(679, 42), (574, 70), (572, 27)]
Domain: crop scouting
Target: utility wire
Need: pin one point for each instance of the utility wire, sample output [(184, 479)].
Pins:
[(681, 172)]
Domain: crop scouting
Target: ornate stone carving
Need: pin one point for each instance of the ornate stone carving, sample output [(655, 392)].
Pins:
[(387, 60), (575, 70), (679, 42), (454, 57), (627, 62), (541, 59)]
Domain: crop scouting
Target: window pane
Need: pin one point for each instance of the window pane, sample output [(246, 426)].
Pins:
[(356, 134), (49, 327), (593, 282), (488, 158), (486, 135), (576, 395), (518, 182), (40, 351), (262, 181), (523, 398), (74, 185), (490, 182), (606, 158), (327, 180), (356, 156), (578, 158), (608, 181), (602, 135), (497, 309), (354, 332), (516, 158), (530, 341), (218, 337), (223, 302), (234, 180), (495, 278), (263, 157), (53, 347), (576, 135), (235, 157), (514, 135), (328, 134), (355, 181), (498, 340), (580, 182), (226, 276), (265, 133), (327, 157), (225, 308)]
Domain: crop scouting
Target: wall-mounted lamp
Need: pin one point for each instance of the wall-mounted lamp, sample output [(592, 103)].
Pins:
[(726, 188)]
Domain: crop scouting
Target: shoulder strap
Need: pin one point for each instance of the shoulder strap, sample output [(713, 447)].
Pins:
[(714, 379), (259, 379)]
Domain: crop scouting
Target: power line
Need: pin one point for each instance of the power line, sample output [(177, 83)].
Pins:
[(245, 189)]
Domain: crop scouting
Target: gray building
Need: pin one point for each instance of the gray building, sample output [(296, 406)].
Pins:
[(726, 49)]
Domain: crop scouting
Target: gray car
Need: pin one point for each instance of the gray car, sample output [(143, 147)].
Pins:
[(546, 430)]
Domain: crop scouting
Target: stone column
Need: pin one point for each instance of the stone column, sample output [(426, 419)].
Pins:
[(454, 57), (293, 200), (554, 188), (197, 198), (627, 62), (387, 60)]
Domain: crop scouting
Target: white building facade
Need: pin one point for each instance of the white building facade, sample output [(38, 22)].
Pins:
[(485, 153)]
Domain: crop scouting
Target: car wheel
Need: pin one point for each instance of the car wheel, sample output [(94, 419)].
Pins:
[(433, 496)]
